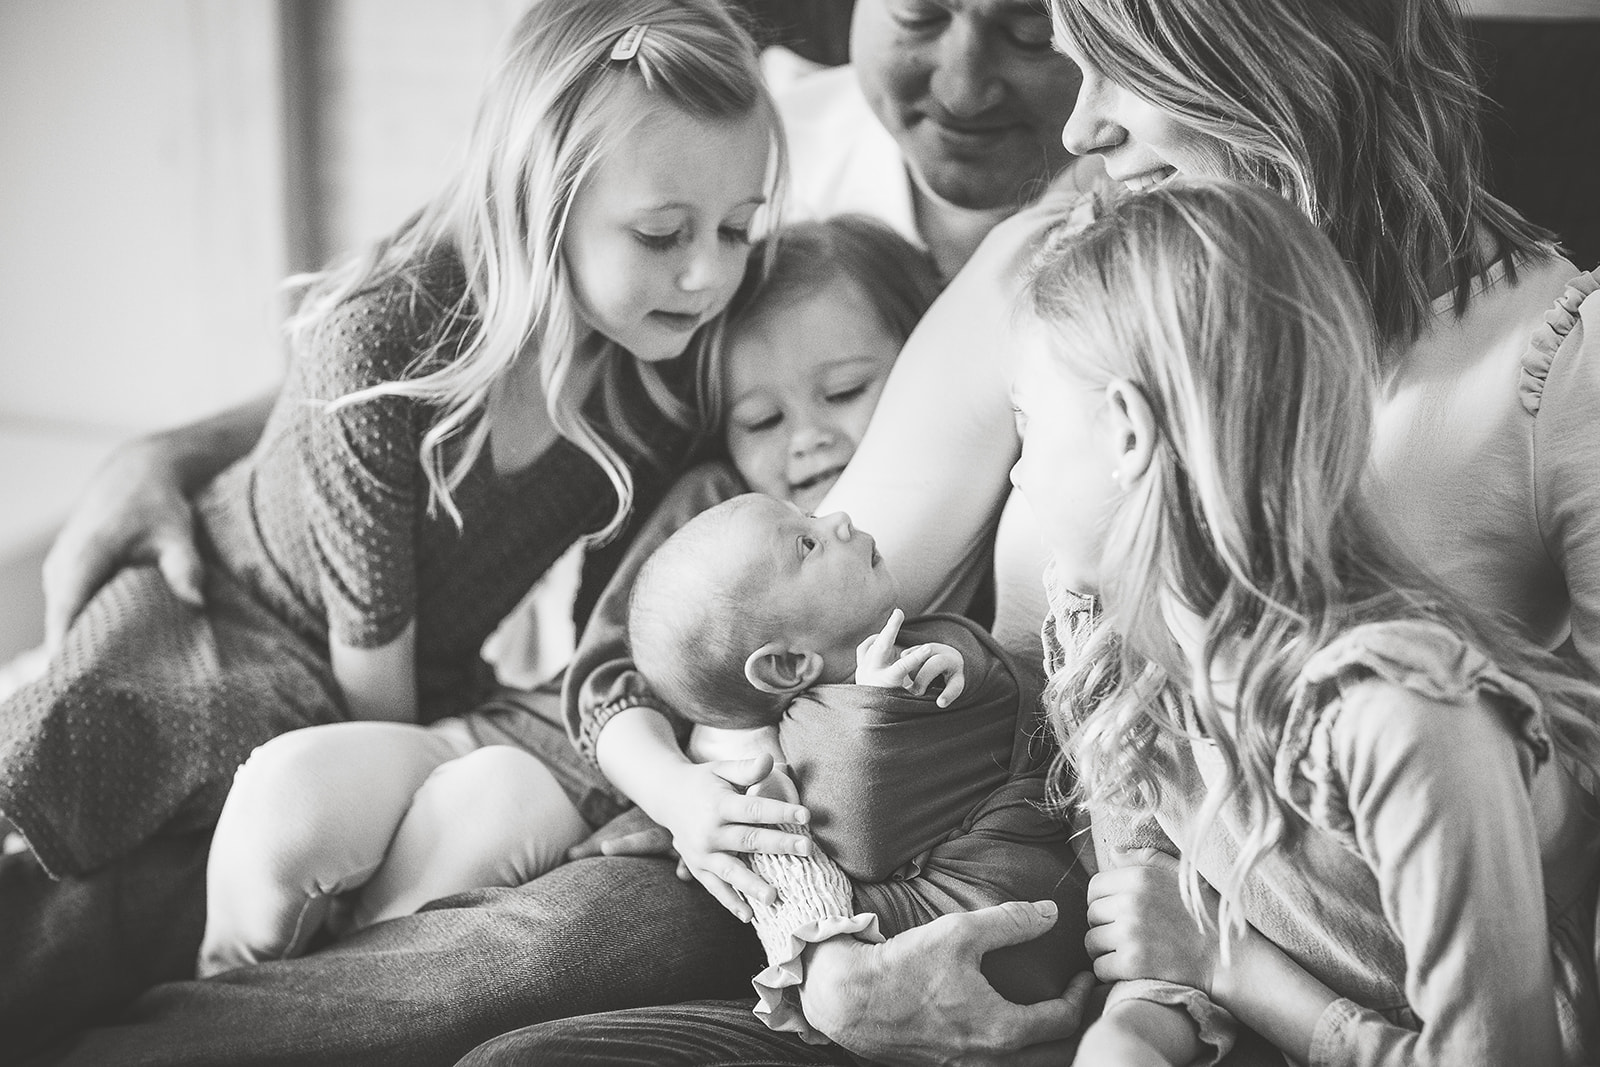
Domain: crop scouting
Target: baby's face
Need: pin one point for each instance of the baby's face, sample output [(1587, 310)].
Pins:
[(803, 376), (825, 577)]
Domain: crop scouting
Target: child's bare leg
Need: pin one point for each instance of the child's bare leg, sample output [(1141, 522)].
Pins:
[(310, 816), (494, 817)]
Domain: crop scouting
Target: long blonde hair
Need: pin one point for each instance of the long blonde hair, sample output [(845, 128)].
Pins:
[(1363, 113), (1253, 345), (553, 109)]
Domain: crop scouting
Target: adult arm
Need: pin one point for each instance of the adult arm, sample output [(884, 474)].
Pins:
[(136, 509), (931, 474)]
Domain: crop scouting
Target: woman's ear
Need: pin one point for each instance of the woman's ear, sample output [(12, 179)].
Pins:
[(1132, 426), (782, 671)]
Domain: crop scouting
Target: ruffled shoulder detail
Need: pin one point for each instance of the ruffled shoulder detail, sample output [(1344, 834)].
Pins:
[(1558, 322), (1424, 657)]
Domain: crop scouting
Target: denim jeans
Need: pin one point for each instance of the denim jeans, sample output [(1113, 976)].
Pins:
[(73, 951), (707, 1033), (721, 1032), (596, 935)]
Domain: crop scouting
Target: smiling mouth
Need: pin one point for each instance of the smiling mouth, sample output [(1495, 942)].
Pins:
[(1149, 179), (828, 475)]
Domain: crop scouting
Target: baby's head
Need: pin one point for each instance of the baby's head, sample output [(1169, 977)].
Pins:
[(808, 345), (750, 603)]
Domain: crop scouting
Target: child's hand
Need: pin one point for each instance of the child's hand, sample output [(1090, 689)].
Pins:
[(712, 820), (633, 833), (915, 669), (1139, 928)]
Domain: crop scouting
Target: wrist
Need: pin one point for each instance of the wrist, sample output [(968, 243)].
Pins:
[(839, 975), (1224, 978)]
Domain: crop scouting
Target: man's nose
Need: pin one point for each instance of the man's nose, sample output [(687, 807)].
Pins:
[(966, 82)]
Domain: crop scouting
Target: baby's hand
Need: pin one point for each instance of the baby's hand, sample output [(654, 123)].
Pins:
[(1139, 928), (877, 664)]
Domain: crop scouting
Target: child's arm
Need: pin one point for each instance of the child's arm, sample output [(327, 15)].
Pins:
[(1439, 802), (379, 683), (879, 664), (636, 739), (1139, 1033)]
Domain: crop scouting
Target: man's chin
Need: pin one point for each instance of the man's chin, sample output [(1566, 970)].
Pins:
[(980, 187)]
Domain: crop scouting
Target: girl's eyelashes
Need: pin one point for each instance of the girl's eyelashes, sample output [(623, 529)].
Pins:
[(658, 241), (662, 242), (759, 425), (844, 396)]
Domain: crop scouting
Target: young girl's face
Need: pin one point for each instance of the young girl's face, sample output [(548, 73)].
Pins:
[(1066, 468), (660, 230), (802, 378)]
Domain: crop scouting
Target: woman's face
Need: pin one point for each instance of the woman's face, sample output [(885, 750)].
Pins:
[(659, 232), (1141, 143)]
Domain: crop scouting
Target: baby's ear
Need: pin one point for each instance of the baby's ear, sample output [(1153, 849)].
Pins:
[(782, 671)]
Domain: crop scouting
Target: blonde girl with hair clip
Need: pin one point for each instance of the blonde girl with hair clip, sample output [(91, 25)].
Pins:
[(522, 365), (1393, 795)]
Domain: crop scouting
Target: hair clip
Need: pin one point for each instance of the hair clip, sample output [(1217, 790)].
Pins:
[(627, 45)]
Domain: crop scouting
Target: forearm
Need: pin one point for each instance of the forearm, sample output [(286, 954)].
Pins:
[(1140, 1033), (199, 451), (930, 476), (1271, 994), (637, 751)]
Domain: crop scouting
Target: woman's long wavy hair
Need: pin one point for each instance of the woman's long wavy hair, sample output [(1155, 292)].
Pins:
[(1249, 338), (1363, 113), (556, 105)]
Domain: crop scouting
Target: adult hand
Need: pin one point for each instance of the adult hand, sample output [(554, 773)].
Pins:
[(920, 996), (712, 819), (134, 510), (1139, 927)]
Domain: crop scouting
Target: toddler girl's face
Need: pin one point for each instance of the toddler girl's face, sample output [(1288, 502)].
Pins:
[(660, 230), (1065, 471), (803, 376)]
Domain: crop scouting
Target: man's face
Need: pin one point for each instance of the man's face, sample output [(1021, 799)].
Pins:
[(970, 90)]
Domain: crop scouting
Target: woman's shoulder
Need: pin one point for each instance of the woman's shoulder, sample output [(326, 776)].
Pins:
[(1393, 688), (1561, 329)]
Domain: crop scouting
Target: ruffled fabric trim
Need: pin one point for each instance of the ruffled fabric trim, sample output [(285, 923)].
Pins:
[(1558, 323), (1217, 1028), (778, 986), (814, 904), (1422, 656)]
